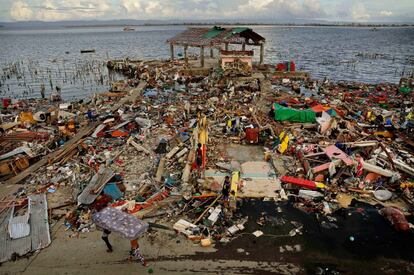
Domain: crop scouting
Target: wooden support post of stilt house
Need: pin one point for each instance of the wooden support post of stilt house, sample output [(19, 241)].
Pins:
[(261, 53), (172, 51), (186, 54)]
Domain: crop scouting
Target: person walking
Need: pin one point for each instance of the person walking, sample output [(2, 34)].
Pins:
[(105, 238), (135, 254)]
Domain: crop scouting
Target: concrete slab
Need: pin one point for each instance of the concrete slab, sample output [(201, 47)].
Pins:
[(260, 188), (243, 153), (259, 180)]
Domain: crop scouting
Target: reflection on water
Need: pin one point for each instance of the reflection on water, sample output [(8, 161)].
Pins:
[(53, 56)]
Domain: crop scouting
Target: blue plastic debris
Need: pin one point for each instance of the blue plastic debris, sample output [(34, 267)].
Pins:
[(112, 190)]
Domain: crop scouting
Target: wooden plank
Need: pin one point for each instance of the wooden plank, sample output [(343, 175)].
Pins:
[(160, 170), (95, 186)]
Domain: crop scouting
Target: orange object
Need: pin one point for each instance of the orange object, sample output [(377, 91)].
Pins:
[(27, 117), (118, 133), (71, 126), (320, 108), (384, 134), (320, 178), (134, 244), (169, 120), (372, 177)]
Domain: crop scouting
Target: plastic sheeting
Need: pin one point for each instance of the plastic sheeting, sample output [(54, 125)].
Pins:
[(292, 115)]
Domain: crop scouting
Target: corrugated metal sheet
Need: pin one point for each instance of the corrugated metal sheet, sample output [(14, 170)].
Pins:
[(39, 230), (39, 224), (8, 246)]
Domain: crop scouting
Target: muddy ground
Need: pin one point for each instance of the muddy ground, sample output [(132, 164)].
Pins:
[(319, 247)]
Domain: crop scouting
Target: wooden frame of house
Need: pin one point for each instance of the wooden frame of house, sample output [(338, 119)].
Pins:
[(216, 37)]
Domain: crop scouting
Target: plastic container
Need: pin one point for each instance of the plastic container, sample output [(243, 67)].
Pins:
[(252, 135), (281, 67)]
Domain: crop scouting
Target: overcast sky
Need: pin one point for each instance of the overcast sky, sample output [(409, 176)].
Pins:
[(254, 10)]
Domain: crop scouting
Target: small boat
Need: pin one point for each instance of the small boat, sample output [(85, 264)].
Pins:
[(128, 29), (87, 51)]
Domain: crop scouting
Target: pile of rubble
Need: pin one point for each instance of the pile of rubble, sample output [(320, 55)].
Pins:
[(159, 145)]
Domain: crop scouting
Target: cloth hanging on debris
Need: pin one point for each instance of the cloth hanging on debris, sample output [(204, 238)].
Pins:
[(125, 224), (292, 115)]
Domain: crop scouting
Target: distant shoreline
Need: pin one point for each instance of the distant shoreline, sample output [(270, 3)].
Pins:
[(243, 24)]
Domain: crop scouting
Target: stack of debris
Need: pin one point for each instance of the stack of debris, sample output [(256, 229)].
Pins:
[(160, 145)]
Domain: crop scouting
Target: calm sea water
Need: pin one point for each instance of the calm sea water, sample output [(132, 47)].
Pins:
[(53, 56)]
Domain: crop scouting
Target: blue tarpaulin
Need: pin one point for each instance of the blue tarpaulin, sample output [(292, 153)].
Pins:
[(112, 190)]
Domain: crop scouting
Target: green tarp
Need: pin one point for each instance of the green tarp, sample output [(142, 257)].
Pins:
[(292, 115), (405, 90)]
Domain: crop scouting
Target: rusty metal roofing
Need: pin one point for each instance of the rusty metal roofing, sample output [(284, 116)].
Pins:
[(39, 224), (216, 36)]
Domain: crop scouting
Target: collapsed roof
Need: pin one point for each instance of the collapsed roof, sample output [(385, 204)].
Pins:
[(215, 36)]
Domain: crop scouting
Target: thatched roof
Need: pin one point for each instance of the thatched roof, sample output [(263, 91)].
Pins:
[(197, 37)]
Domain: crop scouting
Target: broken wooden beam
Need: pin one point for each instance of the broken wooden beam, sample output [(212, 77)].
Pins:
[(54, 156), (160, 170), (206, 210), (137, 146)]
